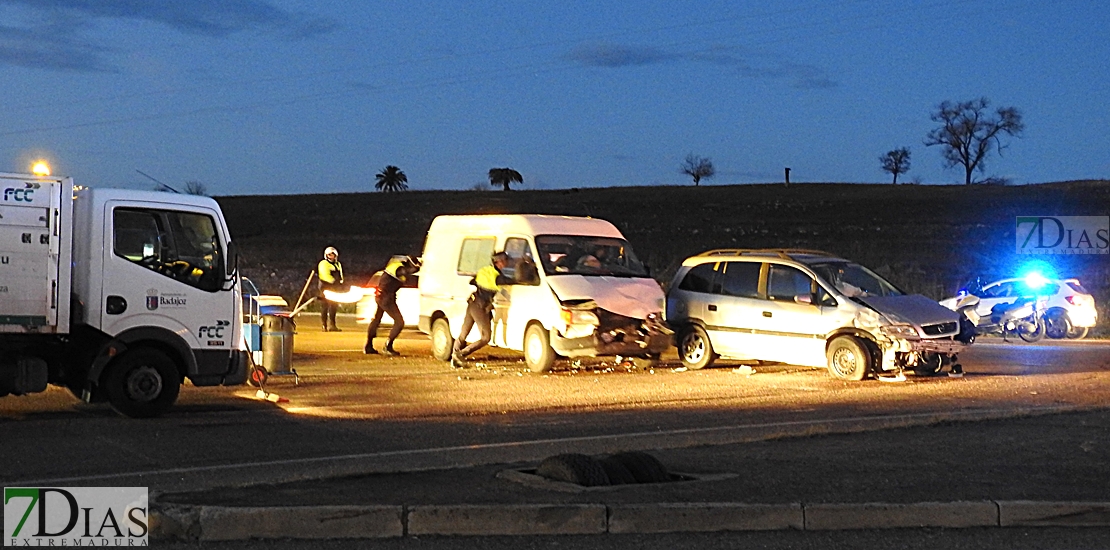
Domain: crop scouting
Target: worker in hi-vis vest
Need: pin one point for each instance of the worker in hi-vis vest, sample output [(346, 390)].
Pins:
[(393, 277), (330, 273), (479, 309)]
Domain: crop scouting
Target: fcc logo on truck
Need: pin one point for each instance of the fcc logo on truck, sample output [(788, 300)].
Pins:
[(19, 195), (76, 516)]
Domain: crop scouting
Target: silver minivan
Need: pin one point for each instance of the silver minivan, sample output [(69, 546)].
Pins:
[(809, 308)]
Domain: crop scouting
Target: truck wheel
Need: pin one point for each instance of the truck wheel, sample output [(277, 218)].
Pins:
[(848, 358), (538, 354), (142, 383), (695, 349), (442, 342)]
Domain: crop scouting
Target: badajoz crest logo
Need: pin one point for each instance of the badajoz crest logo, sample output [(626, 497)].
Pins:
[(75, 516)]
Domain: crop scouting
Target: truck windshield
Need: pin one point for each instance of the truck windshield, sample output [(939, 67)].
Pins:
[(590, 256), (854, 280)]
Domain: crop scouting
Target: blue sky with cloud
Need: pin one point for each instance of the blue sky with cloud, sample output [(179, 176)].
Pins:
[(298, 96)]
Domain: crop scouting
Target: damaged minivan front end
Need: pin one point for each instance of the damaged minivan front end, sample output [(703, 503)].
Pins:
[(911, 332)]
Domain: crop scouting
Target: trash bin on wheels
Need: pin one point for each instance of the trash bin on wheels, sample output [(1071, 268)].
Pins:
[(277, 344)]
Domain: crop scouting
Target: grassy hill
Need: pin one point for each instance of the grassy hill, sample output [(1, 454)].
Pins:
[(925, 238)]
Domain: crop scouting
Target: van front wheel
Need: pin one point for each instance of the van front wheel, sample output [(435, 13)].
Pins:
[(442, 342), (538, 354)]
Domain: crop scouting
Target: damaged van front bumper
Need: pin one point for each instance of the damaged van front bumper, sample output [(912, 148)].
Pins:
[(615, 335)]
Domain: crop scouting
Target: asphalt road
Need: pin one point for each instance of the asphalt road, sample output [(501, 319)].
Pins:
[(353, 413)]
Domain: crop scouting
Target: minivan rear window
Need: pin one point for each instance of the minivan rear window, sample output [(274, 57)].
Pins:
[(740, 279)]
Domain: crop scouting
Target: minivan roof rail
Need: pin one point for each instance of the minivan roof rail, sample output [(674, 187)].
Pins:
[(784, 253)]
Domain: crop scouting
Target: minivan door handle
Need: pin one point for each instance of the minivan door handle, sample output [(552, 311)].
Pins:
[(766, 313), (712, 307)]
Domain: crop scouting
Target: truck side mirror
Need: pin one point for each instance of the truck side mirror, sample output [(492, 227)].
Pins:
[(232, 262)]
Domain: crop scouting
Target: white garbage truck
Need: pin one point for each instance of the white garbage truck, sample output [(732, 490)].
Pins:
[(117, 295)]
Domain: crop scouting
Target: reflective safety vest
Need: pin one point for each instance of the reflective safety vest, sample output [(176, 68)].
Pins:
[(486, 279), (330, 272), (392, 267)]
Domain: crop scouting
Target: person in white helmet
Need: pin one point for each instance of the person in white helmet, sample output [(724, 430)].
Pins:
[(330, 273)]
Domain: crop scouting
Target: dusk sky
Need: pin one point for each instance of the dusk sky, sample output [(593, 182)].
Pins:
[(254, 97)]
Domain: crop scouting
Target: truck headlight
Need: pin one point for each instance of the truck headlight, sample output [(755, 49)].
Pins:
[(906, 332)]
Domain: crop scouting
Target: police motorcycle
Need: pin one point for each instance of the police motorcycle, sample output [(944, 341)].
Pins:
[(1023, 317)]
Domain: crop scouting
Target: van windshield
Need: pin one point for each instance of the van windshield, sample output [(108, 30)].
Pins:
[(590, 256), (854, 280)]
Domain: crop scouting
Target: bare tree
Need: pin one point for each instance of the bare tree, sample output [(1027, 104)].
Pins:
[(504, 176), (391, 179), (196, 188), (697, 167), (969, 132), (896, 162)]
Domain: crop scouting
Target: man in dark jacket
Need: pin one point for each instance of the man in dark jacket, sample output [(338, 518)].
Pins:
[(479, 308), (396, 272)]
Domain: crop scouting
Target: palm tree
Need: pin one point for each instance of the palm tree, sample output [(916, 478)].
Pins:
[(391, 179), (504, 176)]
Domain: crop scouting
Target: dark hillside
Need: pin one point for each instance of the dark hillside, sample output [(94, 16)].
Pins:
[(928, 239)]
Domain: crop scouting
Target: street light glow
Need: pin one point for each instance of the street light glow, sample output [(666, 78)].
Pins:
[(40, 168)]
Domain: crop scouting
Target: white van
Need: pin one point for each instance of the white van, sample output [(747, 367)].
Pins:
[(581, 291)]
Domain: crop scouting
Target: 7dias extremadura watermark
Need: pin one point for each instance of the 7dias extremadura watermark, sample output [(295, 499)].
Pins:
[(1063, 234), (76, 516)]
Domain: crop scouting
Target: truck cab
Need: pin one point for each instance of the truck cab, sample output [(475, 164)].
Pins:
[(152, 293)]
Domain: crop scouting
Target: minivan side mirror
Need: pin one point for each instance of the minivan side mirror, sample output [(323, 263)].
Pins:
[(803, 299)]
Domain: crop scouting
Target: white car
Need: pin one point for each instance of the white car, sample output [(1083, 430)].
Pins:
[(1069, 312), (408, 301), (807, 308)]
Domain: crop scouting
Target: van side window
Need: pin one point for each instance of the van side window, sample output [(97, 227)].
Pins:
[(698, 279), (180, 245), (522, 263), (475, 254), (740, 279), (785, 282)]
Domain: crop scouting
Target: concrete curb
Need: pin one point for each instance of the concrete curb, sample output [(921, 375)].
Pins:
[(212, 523)]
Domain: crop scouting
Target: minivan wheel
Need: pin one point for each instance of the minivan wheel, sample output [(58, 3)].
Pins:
[(538, 354), (442, 342), (848, 358), (695, 349)]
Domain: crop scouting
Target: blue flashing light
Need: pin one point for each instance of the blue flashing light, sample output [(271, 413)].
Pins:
[(1035, 280), (1037, 270)]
